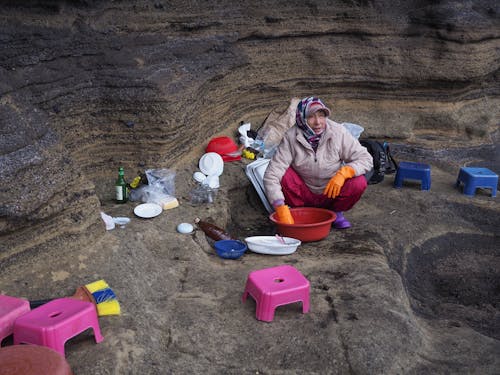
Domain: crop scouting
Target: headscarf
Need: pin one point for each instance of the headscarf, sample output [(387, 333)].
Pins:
[(306, 107)]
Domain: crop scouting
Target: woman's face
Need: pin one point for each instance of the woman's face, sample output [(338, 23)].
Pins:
[(317, 122)]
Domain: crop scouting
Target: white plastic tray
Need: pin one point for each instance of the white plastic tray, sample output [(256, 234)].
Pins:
[(271, 245), (255, 173)]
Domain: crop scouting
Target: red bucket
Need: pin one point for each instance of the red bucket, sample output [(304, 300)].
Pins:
[(311, 223)]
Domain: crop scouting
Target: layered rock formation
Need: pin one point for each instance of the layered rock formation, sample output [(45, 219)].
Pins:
[(89, 86), (141, 84), (46, 199)]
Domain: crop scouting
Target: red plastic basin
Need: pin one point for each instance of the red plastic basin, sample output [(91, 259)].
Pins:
[(311, 223)]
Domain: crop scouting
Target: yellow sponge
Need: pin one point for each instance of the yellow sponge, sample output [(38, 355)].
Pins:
[(96, 285), (111, 307), (170, 202)]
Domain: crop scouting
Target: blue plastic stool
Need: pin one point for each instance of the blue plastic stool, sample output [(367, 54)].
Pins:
[(476, 177), (413, 171)]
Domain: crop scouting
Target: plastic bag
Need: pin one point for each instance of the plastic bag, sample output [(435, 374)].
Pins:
[(161, 180), (244, 138), (202, 194), (273, 129), (137, 194), (150, 194), (354, 129)]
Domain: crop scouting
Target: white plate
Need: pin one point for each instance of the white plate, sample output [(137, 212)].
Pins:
[(271, 245), (148, 210), (211, 164)]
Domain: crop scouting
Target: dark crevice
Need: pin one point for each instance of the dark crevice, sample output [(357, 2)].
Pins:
[(455, 277)]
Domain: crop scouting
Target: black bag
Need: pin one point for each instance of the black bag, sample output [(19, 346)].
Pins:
[(383, 162)]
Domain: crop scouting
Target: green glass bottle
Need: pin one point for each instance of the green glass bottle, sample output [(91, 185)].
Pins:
[(121, 187)]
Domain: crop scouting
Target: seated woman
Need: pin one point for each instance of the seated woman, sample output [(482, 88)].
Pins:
[(317, 164)]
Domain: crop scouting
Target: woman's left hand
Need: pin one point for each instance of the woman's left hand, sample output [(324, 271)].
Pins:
[(335, 184)]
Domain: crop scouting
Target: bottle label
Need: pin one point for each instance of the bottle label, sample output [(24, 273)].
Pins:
[(119, 193)]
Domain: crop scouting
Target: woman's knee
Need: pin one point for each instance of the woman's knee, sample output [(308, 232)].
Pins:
[(357, 185)]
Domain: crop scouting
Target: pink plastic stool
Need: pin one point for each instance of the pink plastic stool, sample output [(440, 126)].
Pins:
[(276, 286), (10, 309), (52, 324)]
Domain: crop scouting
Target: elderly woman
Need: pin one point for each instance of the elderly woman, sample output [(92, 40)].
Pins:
[(317, 164)]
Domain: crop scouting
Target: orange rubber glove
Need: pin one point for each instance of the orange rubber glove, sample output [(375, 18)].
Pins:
[(283, 214), (333, 187)]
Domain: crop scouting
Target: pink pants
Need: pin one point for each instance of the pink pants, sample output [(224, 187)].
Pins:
[(297, 194)]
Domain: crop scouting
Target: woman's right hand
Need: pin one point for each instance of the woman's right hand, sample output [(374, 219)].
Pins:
[(283, 214)]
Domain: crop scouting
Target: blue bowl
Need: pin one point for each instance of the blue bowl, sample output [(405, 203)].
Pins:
[(230, 249)]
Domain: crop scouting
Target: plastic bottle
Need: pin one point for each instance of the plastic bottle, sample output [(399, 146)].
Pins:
[(258, 143), (121, 187), (135, 182), (213, 231)]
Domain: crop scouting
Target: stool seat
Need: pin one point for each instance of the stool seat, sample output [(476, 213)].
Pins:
[(476, 177), (413, 171), (56, 322), (10, 309), (32, 360), (276, 286)]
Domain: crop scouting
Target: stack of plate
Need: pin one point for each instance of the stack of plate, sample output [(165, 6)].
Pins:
[(255, 173), (211, 164)]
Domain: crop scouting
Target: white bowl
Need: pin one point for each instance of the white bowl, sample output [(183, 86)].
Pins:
[(272, 245), (199, 177), (212, 182)]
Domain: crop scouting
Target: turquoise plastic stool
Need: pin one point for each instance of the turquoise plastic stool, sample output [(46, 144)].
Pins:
[(476, 177), (413, 171)]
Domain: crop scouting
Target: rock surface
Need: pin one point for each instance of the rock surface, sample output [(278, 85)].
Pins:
[(89, 86), (411, 288)]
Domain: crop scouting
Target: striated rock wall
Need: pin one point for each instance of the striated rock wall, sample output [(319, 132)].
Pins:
[(46, 199), (88, 86)]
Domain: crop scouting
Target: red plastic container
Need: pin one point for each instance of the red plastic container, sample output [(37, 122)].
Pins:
[(311, 223), (225, 147)]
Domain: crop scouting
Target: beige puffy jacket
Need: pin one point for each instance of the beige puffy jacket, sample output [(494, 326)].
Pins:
[(337, 145)]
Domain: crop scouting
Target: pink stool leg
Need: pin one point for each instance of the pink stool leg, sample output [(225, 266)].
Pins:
[(266, 310), (305, 302), (252, 290), (97, 332)]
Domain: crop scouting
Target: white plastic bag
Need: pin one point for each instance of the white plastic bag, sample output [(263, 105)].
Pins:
[(161, 181), (354, 129)]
